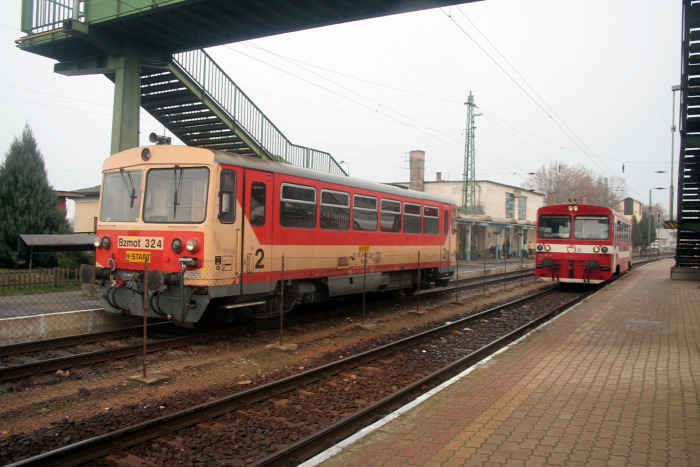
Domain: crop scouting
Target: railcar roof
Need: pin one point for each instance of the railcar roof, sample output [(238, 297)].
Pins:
[(593, 209), (185, 154)]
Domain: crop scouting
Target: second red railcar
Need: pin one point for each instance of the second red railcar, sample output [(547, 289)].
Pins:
[(582, 243)]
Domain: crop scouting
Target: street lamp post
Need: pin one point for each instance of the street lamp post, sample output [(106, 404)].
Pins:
[(346, 163), (674, 88)]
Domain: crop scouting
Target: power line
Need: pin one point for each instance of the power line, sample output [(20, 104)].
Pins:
[(562, 126)]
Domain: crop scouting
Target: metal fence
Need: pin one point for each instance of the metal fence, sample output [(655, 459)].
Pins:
[(202, 69), (32, 307), (21, 281)]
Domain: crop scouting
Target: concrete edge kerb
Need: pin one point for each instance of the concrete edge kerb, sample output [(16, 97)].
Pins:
[(336, 449)]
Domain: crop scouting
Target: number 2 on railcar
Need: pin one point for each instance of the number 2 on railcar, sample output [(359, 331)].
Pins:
[(582, 243)]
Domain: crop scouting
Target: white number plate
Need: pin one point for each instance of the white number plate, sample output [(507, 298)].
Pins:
[(144, 243)]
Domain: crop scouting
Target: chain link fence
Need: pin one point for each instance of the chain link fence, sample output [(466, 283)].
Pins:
[(257, 291)]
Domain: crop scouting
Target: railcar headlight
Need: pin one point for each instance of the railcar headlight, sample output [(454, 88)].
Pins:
[(547, 248), (539, 247), (176, 245), (604, 249), (191, 245), (106, 242), (97, 241), (596, 249)]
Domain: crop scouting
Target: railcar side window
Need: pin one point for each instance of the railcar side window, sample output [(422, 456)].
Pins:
[(298, 206), (431, 220), (411, 218), (335, 210), (258, 195), (390, 216), (554, 226), (624, 232), (588, 227), (121, 196), (364, 213), (176, 195), (227, 196)]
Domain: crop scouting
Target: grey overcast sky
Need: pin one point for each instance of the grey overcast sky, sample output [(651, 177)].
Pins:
[(555, 81)]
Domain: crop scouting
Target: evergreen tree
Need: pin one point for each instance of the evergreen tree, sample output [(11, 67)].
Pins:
[(648, 232), (28, 204), (637, 239)]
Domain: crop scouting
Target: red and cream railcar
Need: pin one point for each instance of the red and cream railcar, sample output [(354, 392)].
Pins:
[(219, 231), (582, 243)]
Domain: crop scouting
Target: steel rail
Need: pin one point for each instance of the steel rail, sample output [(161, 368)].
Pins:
[(88, 358), (319, 441), (67, 341), (99, 446)]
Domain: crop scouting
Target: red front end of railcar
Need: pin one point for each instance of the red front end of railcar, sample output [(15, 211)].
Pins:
[(582, 243)]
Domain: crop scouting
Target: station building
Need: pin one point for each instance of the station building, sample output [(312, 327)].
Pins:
[(504, 220)]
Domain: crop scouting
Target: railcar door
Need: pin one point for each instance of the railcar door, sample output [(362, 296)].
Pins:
[(445, 245), (257, 260)]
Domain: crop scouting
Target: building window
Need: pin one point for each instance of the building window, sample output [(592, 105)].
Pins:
[(522, 208), (510, 206)]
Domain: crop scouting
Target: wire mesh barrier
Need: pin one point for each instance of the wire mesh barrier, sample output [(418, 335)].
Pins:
[(257, 291), (46, 303)]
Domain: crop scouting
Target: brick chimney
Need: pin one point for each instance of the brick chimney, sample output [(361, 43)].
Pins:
[(417, 167), (438, 176)]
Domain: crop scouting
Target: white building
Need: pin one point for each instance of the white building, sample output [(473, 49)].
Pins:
[(505, 214)]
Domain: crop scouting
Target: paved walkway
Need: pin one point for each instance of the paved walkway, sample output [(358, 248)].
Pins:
[(614, 381)]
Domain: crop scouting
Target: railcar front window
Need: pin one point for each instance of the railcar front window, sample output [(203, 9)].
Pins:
[(121, 196), (591, 227), (176, 195), (553, 226)]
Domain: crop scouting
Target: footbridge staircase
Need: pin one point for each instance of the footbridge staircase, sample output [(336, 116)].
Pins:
[(196, 101), (153, 51)]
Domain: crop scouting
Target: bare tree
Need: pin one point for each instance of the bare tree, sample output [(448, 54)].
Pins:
[(563, 182)]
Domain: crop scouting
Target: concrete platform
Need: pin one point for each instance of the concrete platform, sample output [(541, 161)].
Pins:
[(614, 381)]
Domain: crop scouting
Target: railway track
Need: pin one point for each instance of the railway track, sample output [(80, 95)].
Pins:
[(295, 417), (51, 355)]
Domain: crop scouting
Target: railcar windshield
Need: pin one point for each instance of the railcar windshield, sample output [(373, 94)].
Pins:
[(592, 227), (121, 196), (176, 195), (554, 226)]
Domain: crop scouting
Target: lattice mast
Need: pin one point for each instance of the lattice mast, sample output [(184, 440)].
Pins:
[(469, 179)]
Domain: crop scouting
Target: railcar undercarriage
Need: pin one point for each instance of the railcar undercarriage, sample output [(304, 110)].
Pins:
[(122, 291)]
